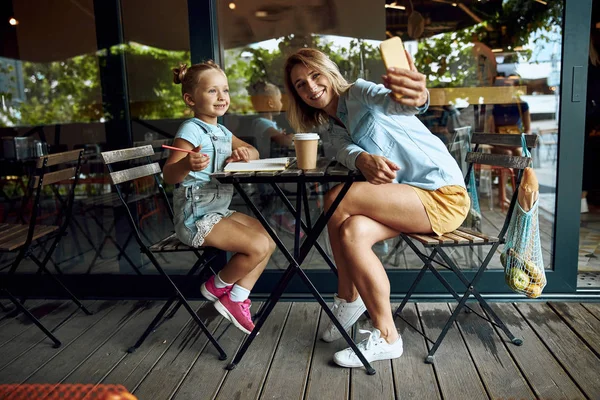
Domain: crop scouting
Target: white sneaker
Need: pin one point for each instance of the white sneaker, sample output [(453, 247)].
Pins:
[(374, 348), (345, 312)]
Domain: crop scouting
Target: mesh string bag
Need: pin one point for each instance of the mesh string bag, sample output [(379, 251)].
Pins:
[(522, 254), (473, 220)]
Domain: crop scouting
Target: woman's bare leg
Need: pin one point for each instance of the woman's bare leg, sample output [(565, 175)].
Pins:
[(252, 245), (358, 234), (370, 213)]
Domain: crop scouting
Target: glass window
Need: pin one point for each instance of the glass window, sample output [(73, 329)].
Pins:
[(491, 66)]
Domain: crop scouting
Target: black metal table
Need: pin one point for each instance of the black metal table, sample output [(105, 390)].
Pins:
[(327, 171)]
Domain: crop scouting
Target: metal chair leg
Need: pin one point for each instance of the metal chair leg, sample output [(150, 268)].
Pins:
[(32, 317)]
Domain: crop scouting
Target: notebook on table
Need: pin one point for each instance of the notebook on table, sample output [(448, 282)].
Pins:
[(266, 164)]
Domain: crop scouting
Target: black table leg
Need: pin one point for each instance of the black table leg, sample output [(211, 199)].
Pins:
[(300, 253)]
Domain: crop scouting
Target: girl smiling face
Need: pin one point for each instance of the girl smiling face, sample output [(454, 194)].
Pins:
[(314, 88), (210, 98)]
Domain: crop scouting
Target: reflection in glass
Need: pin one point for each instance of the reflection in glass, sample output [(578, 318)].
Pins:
[(589, 231), (491, 66)]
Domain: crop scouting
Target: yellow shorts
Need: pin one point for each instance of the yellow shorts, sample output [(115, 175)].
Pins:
[(446, 207)]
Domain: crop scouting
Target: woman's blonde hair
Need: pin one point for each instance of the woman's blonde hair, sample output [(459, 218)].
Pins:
[(301, 116), (189, 77)]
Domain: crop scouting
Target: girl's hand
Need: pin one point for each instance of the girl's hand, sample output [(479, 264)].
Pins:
[(239, 154), (197, 161), (376, 169), (408, 86)]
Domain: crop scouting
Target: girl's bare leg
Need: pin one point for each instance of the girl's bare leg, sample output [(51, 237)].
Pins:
[(252, 245)]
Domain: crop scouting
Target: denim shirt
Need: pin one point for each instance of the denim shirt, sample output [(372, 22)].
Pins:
[(215, 141), (377, 124)]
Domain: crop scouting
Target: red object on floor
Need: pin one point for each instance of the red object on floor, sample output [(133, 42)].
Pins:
[(50, 391)]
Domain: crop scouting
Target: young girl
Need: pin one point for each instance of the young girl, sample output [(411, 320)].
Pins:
[(202, 217), (413, 183)]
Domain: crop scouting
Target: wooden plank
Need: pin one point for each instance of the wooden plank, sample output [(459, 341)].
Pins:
[(15, 329), (169, 371), (59, 158), (497, 370), (326, 380), (457, 375), (19, 369), (443, 239), (544, 374), (10, 234), (322, 165), (457, 238), (220, 174), (246, 381), (337, 169), (134, 173), (581, 321), (564, 344), (593, 308), (291, 172), (112, 351), (423, 239), (207, 368), (244, 174), (56, 369), (469, 237), (169, 244), (134, 367), (498, 160), (19, 238), (486, 238), (414, 378), (291, 364), (268, 173), (378, 386), (503, 139), (114, 156)]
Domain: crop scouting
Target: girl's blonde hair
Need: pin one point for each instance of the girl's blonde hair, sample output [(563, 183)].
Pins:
[(301, 116), (189, 77)]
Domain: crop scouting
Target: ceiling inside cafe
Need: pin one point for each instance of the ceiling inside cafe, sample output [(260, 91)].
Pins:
[(436, 16), (60, 29)]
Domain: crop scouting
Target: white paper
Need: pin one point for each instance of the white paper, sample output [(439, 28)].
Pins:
[(267, 164)]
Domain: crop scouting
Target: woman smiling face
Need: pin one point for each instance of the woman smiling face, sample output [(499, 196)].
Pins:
[(314, 88)]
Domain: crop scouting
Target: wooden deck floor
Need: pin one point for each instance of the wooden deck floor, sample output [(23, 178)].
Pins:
[(558, 360)]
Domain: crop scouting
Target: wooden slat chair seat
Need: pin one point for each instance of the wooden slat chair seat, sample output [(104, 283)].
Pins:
[(461, 236), (436, 246), (141, 157), (14, 236), (61, 169), (171, 244)]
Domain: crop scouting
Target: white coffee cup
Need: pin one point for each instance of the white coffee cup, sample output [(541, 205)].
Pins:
[(306, 145)]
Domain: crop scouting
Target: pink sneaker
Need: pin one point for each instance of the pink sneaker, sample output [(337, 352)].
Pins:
[(236, 312), (211, 292)]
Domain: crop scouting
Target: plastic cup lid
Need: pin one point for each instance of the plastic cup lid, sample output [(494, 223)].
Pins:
[(306, 136)]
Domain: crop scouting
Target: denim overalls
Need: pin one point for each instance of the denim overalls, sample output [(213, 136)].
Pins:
[(198, 207)]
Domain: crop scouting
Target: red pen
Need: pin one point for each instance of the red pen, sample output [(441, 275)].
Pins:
[(179, 149)]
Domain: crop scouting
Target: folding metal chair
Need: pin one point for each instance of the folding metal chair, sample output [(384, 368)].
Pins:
[(464, 237), (136, 156), (25, 238)]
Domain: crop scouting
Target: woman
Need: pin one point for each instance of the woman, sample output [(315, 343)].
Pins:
[(413, 183)]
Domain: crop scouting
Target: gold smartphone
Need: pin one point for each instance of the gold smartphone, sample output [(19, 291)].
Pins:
[(392, 53)]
